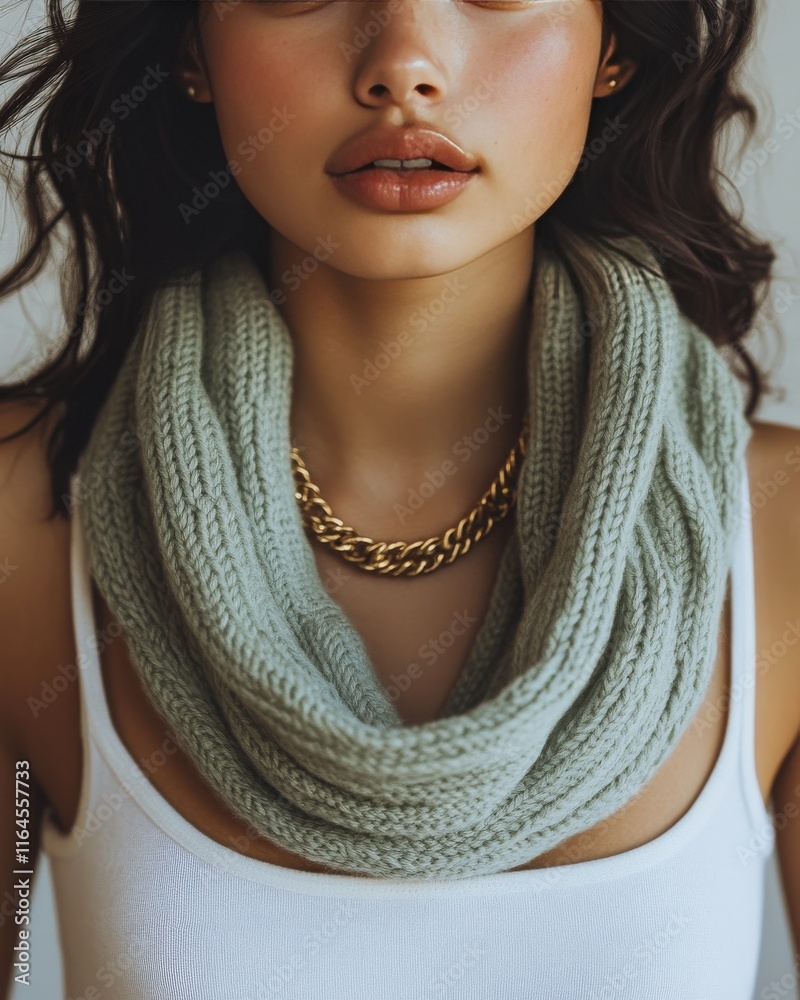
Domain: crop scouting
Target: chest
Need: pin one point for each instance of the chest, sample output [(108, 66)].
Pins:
[(418, 633)]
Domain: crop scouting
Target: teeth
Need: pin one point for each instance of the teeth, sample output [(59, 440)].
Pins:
[(402, 164)]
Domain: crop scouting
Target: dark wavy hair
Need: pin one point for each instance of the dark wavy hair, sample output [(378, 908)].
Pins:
[(121, 148)]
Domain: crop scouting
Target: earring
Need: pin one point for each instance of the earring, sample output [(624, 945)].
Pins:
[(191, 90), (612, 83)]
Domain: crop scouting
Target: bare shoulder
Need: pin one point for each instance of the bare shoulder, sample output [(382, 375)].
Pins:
[(776, 448), (34, 562), (35, 618), (773, 460), (773, 463)]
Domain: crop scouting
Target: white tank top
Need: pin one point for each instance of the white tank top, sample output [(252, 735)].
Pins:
[(150, 908)]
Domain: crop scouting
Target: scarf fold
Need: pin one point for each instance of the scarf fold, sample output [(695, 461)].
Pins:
[(600, 636)]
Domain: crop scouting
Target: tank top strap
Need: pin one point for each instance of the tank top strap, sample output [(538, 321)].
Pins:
[(743, 660), (96, 777)]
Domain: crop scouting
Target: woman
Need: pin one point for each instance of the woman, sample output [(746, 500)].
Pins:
[(408, 502)]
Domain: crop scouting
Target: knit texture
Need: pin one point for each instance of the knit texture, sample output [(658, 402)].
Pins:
[(600, 637)]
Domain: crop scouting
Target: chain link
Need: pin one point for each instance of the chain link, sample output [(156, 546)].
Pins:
[(408, 558)]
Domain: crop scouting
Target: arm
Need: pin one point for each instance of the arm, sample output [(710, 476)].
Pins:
[(786, 802), (23, 566), (775, 480)]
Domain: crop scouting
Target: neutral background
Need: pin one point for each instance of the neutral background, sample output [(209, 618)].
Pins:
[(767, 179)]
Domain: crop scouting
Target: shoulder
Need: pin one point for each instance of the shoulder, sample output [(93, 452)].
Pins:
[(774, 450), (35, 618), (773, 463)]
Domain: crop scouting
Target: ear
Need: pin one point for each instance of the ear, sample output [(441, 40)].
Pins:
[(190, 66), (614, 72)]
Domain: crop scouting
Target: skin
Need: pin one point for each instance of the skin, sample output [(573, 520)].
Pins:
[(545, 67)]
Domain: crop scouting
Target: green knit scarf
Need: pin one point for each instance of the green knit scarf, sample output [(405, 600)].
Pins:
[(600, 637)]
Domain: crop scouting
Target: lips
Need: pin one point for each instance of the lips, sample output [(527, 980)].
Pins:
[(392, 142)]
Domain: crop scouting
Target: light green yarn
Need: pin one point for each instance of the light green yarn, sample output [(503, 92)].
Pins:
[(601, 632)]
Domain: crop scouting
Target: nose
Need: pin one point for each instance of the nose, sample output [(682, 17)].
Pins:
[(405, 54)]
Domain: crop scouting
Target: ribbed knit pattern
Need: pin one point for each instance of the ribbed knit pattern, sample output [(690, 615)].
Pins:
[(600, 637)]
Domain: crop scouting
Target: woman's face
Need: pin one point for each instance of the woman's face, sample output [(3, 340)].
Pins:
[(510, 81)]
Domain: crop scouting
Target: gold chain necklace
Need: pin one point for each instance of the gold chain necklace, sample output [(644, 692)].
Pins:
[(408, 558)]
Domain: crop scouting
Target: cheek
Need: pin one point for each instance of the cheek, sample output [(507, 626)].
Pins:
[(545, 100), (260, 89)]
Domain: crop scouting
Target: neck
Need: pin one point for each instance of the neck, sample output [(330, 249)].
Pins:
[(393, 379)]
